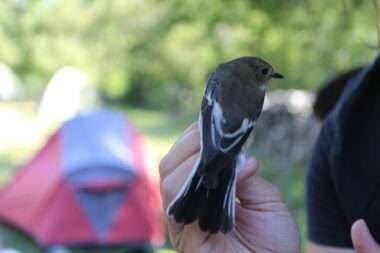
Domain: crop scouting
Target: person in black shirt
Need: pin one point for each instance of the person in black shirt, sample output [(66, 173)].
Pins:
[(343, 177)]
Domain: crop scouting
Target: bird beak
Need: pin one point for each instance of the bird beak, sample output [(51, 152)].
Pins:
[(277, 75)]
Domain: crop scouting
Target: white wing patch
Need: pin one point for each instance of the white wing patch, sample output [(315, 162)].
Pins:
[(217, 118), (217, 121), (226, 149), (243, 129)]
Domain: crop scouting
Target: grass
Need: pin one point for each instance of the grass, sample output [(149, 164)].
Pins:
[(161, 130)]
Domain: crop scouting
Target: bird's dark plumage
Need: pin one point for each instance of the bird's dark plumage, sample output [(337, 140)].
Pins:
[(231, 105)]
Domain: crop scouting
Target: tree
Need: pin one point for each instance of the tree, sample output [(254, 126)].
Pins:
[(160, 53)]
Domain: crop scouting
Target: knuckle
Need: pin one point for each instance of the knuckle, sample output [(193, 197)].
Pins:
[(166, 190), (277, 195), (163, 164)]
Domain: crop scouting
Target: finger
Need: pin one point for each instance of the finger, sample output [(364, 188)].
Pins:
[(171, 184), (249, 169), (169, 188), (175, 230), (362, 238), (192, 127), (253, 190), (187, 146)]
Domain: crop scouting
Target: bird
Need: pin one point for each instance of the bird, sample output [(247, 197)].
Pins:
[(231, 105)]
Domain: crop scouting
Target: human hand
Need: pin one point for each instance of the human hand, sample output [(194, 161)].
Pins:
[(263, 221), (362, 239)]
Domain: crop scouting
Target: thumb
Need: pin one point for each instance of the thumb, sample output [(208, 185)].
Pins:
[(362, 238), (250, 168), (251, 189)]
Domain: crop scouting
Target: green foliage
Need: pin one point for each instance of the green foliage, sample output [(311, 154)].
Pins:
[(290, 181), (160, 53)]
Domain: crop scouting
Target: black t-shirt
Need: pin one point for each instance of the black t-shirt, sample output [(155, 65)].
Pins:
[(343, 177)]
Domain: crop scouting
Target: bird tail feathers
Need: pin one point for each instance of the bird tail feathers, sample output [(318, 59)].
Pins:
[(214, 207)]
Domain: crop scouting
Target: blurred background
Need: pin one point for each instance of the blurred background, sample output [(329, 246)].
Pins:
[(150, 60)]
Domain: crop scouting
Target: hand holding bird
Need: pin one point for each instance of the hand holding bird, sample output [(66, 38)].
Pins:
[(263, 222)]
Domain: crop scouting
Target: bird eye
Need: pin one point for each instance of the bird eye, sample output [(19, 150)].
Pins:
[(264, 71)]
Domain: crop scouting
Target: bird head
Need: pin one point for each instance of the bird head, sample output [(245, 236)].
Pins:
[(261, 70)]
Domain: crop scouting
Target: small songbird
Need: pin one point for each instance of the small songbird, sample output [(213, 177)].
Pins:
[(231, 105)]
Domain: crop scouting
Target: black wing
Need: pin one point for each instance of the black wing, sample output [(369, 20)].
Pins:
[(221, 140)]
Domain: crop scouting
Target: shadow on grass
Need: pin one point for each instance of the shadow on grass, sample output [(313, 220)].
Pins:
[(12, 238)]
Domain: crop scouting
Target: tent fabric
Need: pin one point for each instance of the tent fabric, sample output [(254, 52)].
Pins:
[(89, 185)]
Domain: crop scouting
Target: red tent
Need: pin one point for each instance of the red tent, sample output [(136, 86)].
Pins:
[(89, 185)]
